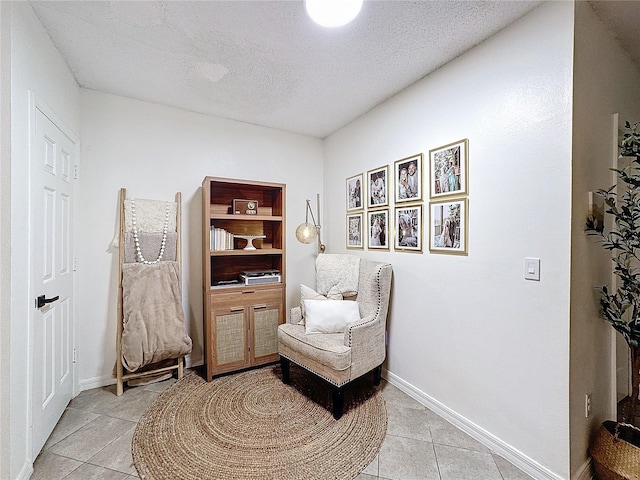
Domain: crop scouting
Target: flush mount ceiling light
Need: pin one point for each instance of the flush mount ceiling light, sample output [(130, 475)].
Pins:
[(333, 13)]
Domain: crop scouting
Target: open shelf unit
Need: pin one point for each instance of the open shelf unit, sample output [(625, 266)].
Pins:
[(240, 321)]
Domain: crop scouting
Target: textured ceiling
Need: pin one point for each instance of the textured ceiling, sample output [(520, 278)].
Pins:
[(265, 62)]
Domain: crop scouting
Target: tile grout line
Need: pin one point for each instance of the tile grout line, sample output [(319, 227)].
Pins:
[(76, 430), (435, 454)]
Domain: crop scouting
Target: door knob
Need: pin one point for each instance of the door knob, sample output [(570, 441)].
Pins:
[(41, 301)]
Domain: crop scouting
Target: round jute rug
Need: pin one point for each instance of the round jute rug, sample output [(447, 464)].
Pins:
[(250, 426)]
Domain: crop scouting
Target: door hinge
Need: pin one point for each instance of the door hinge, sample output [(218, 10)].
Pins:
[(74, 355), (75, 264), (75, 171)]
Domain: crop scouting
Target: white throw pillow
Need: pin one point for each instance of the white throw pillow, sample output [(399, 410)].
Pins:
[(308, 293), (330, 316)]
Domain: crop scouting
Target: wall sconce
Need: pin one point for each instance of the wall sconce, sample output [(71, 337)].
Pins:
[(308, 232)]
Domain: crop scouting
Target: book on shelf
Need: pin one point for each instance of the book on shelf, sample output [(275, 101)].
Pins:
[(221, 239)]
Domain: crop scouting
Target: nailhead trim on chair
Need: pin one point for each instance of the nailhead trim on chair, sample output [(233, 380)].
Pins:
[(316, 373), (380, 267)]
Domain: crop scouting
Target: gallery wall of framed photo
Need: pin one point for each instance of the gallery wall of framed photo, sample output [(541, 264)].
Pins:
[(385, 206)]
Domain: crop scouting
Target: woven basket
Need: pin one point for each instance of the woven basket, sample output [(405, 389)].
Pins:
[(615, 458)]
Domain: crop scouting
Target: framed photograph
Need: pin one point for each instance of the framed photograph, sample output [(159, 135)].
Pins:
[(355, 185), (378, 191), (354, 231), (448, 223), (408, 231), (378, 229), (448, 167), (408, 178)]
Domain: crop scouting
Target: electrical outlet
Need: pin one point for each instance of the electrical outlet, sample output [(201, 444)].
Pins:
[(587, 405)]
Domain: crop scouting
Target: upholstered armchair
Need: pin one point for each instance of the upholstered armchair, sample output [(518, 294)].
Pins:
[(348, 352)]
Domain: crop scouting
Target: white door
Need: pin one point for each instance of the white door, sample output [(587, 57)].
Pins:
[(52, 171)]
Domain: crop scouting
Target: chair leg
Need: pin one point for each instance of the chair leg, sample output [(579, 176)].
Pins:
[(377, 375), (285, 363), (338, 402)]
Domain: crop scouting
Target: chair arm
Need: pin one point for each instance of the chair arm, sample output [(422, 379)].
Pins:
[(367, 341), (296, 315)]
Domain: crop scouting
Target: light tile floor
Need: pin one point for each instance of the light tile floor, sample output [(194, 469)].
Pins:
[(92, 441)]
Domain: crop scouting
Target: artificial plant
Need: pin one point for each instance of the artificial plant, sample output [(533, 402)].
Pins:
[(621, 305)]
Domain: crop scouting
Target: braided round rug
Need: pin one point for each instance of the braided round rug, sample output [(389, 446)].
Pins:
[(250, 426)]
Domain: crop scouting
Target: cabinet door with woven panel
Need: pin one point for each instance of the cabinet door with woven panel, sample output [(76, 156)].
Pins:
[(229, 331), (264, 339)]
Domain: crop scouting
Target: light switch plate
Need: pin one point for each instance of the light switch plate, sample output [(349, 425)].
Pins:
[(532, 269)]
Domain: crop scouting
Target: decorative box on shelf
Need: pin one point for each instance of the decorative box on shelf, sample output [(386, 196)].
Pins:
[(245, 207)]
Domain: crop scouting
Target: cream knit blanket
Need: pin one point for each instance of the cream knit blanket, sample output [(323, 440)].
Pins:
[(337, 275), (150, 215)]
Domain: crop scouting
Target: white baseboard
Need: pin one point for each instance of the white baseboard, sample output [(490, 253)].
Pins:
[(96, 382), (584, 472), (193, 364), (520, 460), (25, 472)]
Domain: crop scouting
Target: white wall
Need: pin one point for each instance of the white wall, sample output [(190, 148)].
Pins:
[(614, 89), (36, 66), (155, 151), (5, 234), (468, 332)]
